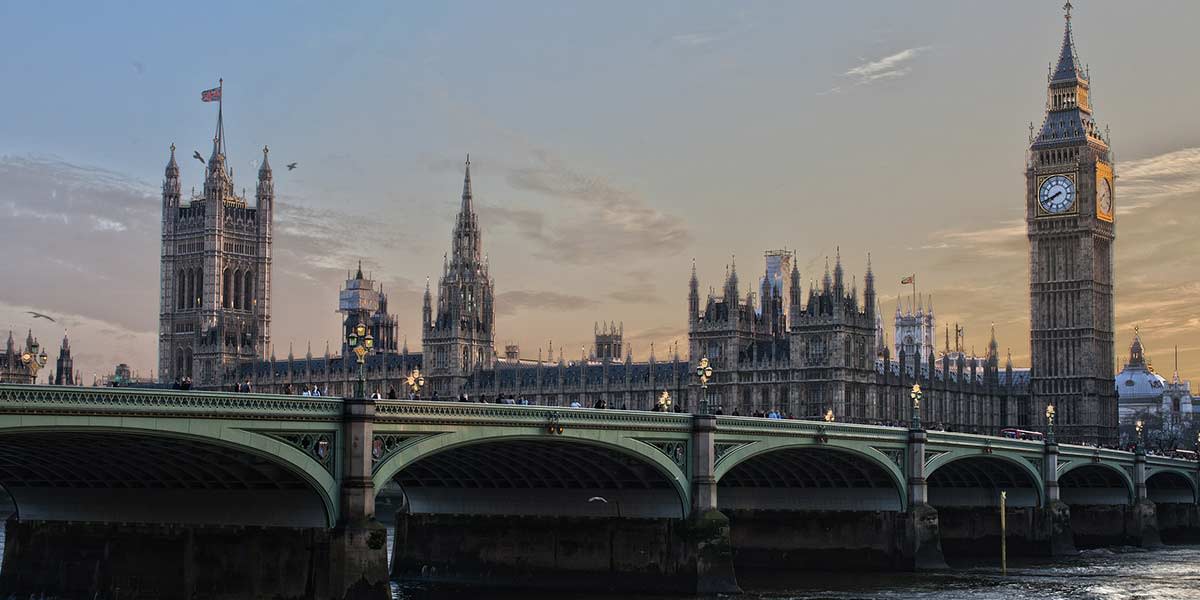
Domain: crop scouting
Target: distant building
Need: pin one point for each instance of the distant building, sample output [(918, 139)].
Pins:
[(19, 364), (215, 279), (1141, 391), (64, 367), (360, 302)]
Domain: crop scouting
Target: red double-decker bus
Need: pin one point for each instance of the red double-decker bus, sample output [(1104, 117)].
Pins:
[(1021, 434)]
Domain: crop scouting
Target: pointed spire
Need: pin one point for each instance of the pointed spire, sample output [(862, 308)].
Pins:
[(468, 206), (264, 170), (1068, 67), (359, 274), (172, 166)]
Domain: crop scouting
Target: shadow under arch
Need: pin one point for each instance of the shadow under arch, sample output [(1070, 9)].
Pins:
[(809, 477), (535, 475), (132, 475), (1169, 486), (976, 480), (1095, 483)]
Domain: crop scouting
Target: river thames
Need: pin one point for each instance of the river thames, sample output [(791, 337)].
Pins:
[(1103, 574), (1168, 573)]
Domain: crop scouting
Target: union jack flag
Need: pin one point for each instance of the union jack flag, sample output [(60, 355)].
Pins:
[(908, 280), (213, 95)]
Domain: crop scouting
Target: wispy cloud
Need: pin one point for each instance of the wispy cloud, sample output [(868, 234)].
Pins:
[(605, 220), (508, 303), (889, 67), (1148, 180)]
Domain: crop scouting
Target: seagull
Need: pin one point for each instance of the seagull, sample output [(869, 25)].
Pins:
[(38, 315), (196, 155), (291, 166)]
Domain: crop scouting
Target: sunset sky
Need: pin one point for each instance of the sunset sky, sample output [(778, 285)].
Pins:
[(611, 143)]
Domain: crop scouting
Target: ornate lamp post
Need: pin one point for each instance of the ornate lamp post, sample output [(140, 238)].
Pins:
[(1140, 426), (415, 382), (704, 372), (34, 360), (829, 418), (664, 401), (915, 395), (1049, 423), (361, 342)]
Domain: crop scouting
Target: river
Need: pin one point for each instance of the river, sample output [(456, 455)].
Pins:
[(1104, 574), (1169, 573)]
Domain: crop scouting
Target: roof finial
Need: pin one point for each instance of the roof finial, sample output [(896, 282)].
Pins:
[(1067, 10)]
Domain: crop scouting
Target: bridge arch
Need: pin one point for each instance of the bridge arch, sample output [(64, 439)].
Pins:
[(1171, 486), (835, 475), (106, 469), (514, 472), (964, 478), (1100, 483)]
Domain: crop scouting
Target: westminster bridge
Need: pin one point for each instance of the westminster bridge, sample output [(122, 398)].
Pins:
[(181, 494)]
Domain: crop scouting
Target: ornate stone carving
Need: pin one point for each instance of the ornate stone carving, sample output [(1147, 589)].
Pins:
[(320, 445)]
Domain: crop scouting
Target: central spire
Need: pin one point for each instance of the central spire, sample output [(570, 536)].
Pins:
[(467, 203)]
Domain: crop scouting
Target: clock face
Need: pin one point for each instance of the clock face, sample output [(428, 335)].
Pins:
[(1104, 197), (1057, 194)]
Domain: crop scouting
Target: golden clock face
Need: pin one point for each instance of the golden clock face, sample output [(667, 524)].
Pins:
[(1104, 193)]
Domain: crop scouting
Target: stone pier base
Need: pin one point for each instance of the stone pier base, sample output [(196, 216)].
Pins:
[(973, 532), (1178, 522), (777, 541), (566, 553), (1097, 525), (168, 562)]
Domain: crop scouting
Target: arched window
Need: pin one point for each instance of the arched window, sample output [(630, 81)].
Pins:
[(226, 292), (188, 301), (187, 363), (181, 290), (199, 286), (248, 291), (237, 290), (179, 366)]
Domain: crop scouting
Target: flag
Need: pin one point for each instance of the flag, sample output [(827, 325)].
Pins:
[(213, 95), (908, 280)]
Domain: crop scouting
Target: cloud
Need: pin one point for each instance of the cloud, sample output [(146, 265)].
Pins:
[(508, 303), (889, 67), (1149, 180), (606, 221)]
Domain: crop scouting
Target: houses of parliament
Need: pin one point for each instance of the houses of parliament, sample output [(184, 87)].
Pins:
[(812, 351)]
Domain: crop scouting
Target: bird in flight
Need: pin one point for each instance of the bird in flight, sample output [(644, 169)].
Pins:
[(38, 315), (196, 155), (291, 166)]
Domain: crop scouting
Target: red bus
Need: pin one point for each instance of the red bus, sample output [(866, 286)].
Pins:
[(1021, 434)]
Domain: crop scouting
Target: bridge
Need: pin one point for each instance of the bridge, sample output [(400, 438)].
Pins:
[(182, 493)]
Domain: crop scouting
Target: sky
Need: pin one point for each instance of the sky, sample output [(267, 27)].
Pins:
[(611, 144)]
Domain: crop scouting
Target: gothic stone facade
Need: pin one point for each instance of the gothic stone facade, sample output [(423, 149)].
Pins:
[(1069, 217), (215, 304)]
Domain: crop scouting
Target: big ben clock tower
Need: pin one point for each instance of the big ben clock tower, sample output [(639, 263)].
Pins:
[(1069, 218)]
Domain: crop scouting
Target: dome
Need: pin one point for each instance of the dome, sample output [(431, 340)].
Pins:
[(1139, 383)]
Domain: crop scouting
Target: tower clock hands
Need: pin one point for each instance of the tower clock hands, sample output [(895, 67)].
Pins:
[(1056, 194)]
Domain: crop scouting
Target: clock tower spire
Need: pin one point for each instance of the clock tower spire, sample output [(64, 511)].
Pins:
[(1069, 220)]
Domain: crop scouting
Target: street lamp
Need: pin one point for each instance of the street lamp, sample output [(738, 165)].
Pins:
[(361, 342), (1049, 423), (704, 372), (1139, 426), (415, 382), (33, 360), (829, 416), (915, 395), (664, 402)]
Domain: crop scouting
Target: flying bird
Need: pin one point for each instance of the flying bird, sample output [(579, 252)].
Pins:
[(196, 155), (38, 315), (291, 166)]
